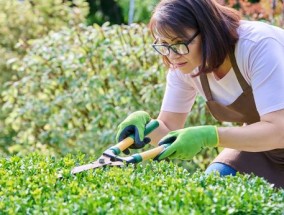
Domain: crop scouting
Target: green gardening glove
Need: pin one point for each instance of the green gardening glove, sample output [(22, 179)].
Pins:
[(187, 142), (134, 124)]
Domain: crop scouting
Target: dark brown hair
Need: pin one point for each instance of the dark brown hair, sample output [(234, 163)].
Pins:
[(217, 25)]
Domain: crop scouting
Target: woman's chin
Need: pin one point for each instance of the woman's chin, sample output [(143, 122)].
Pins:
[(184, 70)]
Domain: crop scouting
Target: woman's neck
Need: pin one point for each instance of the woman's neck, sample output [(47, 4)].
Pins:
[(223, 69)]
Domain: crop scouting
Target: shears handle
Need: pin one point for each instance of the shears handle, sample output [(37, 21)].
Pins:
[(139, 157), (150, 154), (124, 144)]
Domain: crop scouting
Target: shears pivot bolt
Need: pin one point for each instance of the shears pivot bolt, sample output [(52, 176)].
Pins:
[(102, 161)]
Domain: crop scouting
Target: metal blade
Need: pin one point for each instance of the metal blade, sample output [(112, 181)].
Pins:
[(82, 168), (102, 161), (85, 167)]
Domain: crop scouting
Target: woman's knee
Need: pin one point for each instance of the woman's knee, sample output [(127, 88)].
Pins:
[(222, 168)]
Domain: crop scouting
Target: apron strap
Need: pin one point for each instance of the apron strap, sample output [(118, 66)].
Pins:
[(240, 78), (205, 86)]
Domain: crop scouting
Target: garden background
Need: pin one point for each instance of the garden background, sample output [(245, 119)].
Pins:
[(71, 71)]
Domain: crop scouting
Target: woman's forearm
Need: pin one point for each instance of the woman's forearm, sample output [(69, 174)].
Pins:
[(158, 133), (265, 135), (168, 121)]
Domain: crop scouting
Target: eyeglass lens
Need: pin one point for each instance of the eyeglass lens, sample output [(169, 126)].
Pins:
[(179, 48)]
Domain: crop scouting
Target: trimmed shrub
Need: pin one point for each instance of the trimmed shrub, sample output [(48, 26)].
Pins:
[(29, 185)]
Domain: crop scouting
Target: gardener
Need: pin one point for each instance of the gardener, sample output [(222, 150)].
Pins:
[(238, 67)]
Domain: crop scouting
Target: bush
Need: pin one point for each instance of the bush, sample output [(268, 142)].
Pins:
[(76, 85), (21, 21), (29, 185)]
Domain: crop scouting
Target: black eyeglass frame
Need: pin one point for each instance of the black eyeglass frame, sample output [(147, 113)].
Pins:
[(154, 45)]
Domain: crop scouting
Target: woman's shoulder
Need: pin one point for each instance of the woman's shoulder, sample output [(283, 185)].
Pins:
[(256, 31), (258, 44), (255, 36)]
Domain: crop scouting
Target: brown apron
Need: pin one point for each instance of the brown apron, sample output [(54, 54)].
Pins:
[(269, 164)]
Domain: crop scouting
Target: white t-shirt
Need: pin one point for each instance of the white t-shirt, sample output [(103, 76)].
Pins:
[(259, 54)]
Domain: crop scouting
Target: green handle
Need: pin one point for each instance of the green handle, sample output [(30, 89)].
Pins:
[(151, 126)]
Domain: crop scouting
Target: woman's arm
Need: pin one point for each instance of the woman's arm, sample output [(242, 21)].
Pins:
[(168, 121), (265, 135)]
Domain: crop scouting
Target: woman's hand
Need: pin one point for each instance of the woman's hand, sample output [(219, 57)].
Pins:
[(187, 142), (134, 124)]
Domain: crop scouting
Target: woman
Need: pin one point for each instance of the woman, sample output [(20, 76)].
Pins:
[(238, 67)]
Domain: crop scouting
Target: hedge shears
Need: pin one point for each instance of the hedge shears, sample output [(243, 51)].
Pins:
[(110, 157)]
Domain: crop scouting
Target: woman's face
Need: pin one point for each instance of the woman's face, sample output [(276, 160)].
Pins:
[(186, 63)]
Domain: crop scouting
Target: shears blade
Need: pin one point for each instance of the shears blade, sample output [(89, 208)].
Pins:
[(102, 161)]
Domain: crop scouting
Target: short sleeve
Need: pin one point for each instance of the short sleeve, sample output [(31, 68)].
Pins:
[(179, 94), (266, 62)]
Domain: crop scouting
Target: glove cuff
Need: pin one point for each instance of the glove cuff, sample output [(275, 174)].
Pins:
[(212, 136)]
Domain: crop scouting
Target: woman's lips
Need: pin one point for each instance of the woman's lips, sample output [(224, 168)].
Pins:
[(178, 65)]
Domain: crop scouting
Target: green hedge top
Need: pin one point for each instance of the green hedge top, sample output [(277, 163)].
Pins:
[(29, 185)]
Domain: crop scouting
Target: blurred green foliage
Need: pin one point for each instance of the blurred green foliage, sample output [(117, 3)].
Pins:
[(117, 11), (142, 9), (102, 11), (21, 21), (75, 85)]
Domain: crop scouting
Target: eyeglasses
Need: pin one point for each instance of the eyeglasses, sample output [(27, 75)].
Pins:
[(178, 48)]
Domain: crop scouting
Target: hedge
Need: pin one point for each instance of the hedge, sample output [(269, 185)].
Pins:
[(29, 185)]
